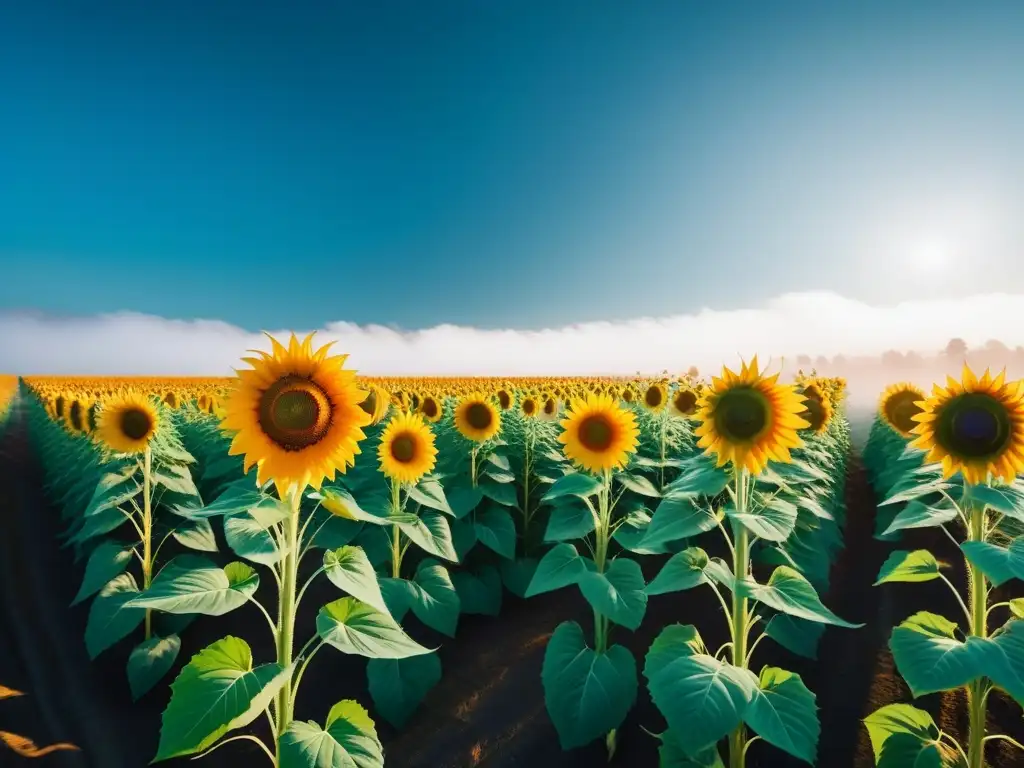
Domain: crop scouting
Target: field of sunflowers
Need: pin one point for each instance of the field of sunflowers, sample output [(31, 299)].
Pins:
[(318, 569)]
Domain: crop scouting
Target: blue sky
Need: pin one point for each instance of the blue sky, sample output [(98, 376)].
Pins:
[(504, 164)]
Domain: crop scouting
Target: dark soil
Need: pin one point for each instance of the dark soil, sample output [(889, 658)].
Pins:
[(488, 709)]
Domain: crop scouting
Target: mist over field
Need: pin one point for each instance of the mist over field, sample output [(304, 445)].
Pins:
[(871, 346)]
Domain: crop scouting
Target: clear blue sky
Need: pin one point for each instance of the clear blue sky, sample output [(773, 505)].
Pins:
[(523, 164)]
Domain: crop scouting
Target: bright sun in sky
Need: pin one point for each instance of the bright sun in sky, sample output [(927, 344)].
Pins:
[(929, 258)]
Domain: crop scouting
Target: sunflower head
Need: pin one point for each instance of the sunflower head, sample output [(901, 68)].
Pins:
[(170, 399), (78, 415), (899, 404), (504, 399), (817, 413), (684, 402), (430, 408), (598, 433), (529, 406), (296, 415), (376, 404), (628, 394), (407, 450), (476, 418), (549, 407), (127, 422), (749, 419), (974, 426), (655, 397)]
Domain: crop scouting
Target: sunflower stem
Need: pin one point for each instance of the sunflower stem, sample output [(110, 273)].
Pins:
[(147, 531), (740, 626), (661, 468), (601, 624), (526, 487), (472, 463), (286, 613), (396, 532), (977, 693)]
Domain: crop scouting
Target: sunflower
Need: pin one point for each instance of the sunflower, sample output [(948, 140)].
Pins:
[(684, 402), (296, 415), (899, 404), (749, 419), (376, 404), (655, 397), (628, 394), (430, 408), (171, 399), (817, 413), (127, 422), (974, 426), (549, 408), (476, 418), (78, 416), (529, 406), (599, 434), (504, 399), (407, 449)]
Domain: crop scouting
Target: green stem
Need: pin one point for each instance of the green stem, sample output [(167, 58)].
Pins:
[(286, 614), (396, 532), (977, 694), (472, 463), (526, 489), (601, 624), (661, 469), (147, 532), (740, 628)]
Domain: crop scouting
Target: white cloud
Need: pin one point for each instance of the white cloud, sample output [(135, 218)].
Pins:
[(808, 323)]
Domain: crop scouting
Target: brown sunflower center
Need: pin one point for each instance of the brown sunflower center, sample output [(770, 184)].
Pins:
[(901, 408), (478, 416), (529, 406), (429, 407), (369, 405), (627, 395), (654, 397), (75, 416), (295, 413), (596, 433), (136, 424), (974, 426), (549, 406), (814, 413), (403, 448), (58, 406), (685, 401), (742, 414), (504, 400)]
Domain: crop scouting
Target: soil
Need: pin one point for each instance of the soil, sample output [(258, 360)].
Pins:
[(488, 709)]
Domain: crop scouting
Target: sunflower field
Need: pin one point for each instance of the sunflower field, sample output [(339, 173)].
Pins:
[(344, 520)]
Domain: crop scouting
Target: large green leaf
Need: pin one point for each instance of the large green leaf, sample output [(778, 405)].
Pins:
[(999, 564), (796, 635), (349, 569), (638, 484), (434, 599), (678, 517), (618, 593), (587, 694), (430, 493), (569, 520), (699, 477), (917, 514), (217, 691), (463, 499), (479, 590), (701, 698), (356, 628), (197, 535), (109, 559), (930, 658), (774, 519), (236, 498), (919, 565), (111, 616), (349, 740), (1005, 499), (560, 567), (249, 534), (902, 750), (573, 484), (496, 530), (431, 533), (789, 592), (399, 685), (684, 570), (193, 584), (899, 719), (782, 712), (149, 661)]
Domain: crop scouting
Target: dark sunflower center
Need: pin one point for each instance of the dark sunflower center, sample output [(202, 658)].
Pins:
[(136, 424), (504, 399), (901, 410), (369, 405), (627, 395), (596, 433), (685, 401), (549, 406), (653, 397), (58, 406), (741, 414), (478, 415), (529, 406), (429, 408), (295, 413), (814, 413), (403, 448), (76, 415), (974, 426)]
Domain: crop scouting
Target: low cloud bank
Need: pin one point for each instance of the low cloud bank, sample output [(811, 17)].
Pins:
[(813, 324)]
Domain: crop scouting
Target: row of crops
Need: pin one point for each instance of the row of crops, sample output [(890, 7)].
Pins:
[(435, 499)]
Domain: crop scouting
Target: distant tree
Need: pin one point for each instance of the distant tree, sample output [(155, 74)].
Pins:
[(692, 372), (821, 361), (956, 350), (995, 345), (913, 359), (892, 358), (803, 360)]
